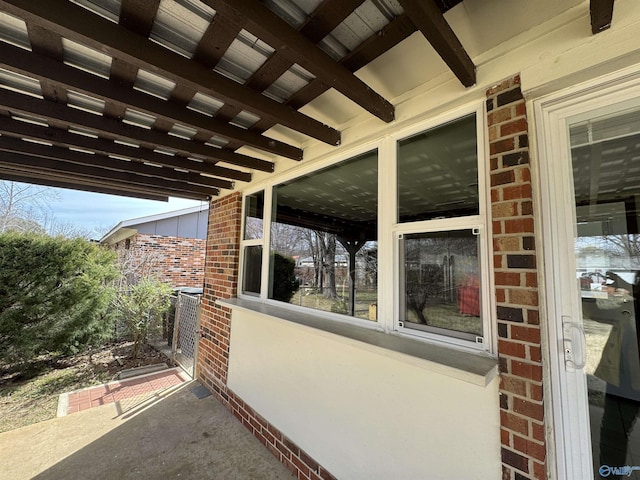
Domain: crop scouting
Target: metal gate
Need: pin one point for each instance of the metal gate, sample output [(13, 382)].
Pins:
[(187, 323)]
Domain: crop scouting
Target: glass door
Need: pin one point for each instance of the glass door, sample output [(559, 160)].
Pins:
[(592, 207), (605, 160)]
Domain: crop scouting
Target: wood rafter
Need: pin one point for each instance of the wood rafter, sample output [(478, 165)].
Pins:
[(46, 165), (50, 135), (63, 76), (114, 129), (601, 15), (102, 161), (64, 138), (426, 15), (396, 31), (320, 23), (80, 25), (265, 24), (72, 184)]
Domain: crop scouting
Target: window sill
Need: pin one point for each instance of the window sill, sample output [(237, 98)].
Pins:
[(473, 367)]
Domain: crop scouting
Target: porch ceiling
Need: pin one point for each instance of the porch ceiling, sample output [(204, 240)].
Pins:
[(158, 98)]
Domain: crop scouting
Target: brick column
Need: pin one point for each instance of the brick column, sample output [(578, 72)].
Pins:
[(220, 281), (521, 399)]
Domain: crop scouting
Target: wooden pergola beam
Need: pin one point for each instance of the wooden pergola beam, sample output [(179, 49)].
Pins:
[(28, 163), (16, 176), (78, 24), (601, 15), (15, 102), (431, 22), (265, 24), (52, 176), (61, 137), (15, 145), (392, 34), (49, 70)]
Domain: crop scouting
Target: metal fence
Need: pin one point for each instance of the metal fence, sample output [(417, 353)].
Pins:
[(184, 345)]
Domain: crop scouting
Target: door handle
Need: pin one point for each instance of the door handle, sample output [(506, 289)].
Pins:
[(573, 334)]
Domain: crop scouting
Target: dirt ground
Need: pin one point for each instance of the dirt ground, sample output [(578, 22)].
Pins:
[(31, 395)]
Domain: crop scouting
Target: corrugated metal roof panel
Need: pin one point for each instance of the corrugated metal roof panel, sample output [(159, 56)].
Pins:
[(19, 83), (82, 131), (14, 31), (179, 25), (205, 104), (30, 119), (153, 84), (109, 9), (245, 55), (86, 58), (289, 82), (214, 141), (85, 102), (245, 119), (368, 19), (139, 119), (294, 13), (182, 131)]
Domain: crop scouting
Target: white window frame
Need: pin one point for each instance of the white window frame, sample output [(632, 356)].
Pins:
[(388, 307), (252, 242), (479, 222)]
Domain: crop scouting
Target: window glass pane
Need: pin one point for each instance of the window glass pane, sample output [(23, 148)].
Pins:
[(441, 283), (438, 172), (252, 269), (327, 223), (253, 216)]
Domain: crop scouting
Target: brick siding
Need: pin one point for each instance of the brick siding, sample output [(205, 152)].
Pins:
[(178, 261), (519, 350), (221, 281)]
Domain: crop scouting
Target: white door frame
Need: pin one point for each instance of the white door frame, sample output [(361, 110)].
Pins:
[(568, 415)]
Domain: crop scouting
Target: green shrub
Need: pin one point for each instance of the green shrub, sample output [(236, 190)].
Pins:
[(54, 295), (141, 308), (284, 282)]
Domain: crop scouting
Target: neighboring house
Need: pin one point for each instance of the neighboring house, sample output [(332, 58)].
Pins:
[(171, 244)]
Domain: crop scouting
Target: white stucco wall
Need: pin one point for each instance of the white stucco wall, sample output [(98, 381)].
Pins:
[(360, 414)]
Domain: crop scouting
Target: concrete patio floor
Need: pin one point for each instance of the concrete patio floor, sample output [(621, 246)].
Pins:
[(175, 434)]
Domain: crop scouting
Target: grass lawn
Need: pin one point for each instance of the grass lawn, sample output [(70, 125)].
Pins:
[(31, 395), (308, 298)]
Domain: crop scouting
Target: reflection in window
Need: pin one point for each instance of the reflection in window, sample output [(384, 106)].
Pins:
[(438, 172), (252, 243), (440, 283), (253, 215), (327, 223), (252, 269)]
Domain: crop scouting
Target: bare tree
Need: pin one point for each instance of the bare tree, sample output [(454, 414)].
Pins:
[(23, 207)]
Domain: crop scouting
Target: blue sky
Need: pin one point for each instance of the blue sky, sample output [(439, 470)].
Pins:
[(95, 211)]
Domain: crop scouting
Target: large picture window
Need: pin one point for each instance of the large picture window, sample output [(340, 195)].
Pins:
[(324, 229), (400, 240)]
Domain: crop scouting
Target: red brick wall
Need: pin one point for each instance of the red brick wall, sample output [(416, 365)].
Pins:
[(178, 261), (519, 349), (221, 281)]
